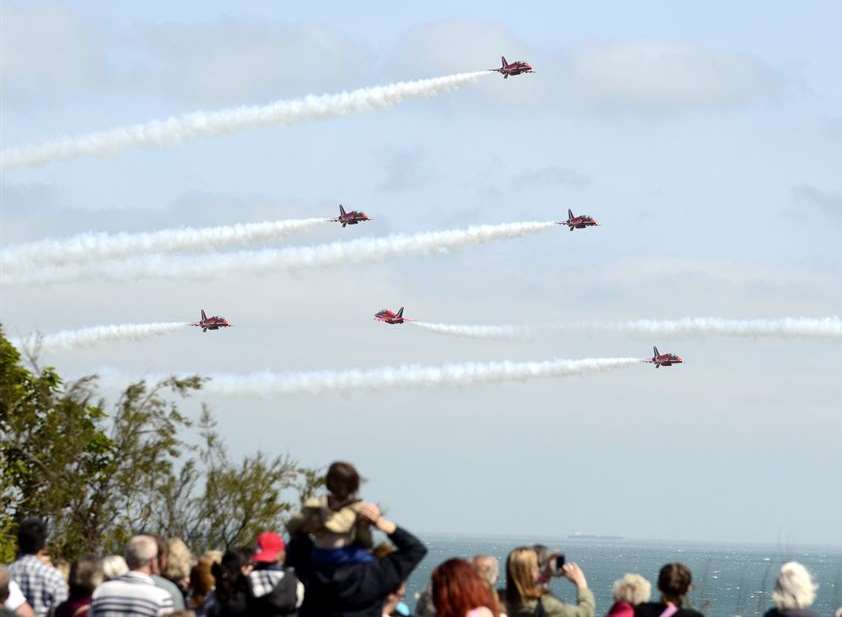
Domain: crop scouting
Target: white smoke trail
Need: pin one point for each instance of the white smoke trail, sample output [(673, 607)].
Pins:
[(410, 376), (201, 124), (789, 327), (97, 335), (475, 331), (96, 247), (291, 258)]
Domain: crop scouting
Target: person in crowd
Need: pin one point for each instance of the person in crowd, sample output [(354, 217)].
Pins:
[(42, 585), (165, 583), (178, 564), (113, 566), (424, 606), (84, 577), (334, 521), (201, 585), (527, 596), (488, 567), (545, 557), (628, 592), (230, 596), (275, 590), (459, 591), (134, 593), (794, 593), (354, 589), (674, 582), (11, 597), (5, 579)]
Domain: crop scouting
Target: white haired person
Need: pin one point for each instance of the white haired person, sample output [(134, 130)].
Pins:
[(795, 592), (628, 592)]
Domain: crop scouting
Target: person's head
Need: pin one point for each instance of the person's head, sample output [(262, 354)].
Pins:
[(32, 536), (674, 581), (142, 554), (458, 588), (201, 579), (488, 568), (632, 588), (838, 612), (179, 562), (342, 481), (270, 549), (4, 584), (114, 566), (229, 574), (795, 587), (522, 575), (163, 551), (85, 576)]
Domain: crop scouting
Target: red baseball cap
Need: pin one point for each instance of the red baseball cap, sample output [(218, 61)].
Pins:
[(269, 546)]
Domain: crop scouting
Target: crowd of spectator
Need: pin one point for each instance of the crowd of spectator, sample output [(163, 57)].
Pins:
[(331, 567)]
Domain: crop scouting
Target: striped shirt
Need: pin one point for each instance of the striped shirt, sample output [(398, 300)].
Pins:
[(43, 586), (134, 593)]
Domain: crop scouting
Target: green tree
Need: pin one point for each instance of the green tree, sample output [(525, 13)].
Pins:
[(99, 477)]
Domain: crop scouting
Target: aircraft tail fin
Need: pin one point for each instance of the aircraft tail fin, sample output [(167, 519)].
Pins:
[(203, 315), (341, 210), (569, 213), (656, 351), (503, 59), (400, 312)]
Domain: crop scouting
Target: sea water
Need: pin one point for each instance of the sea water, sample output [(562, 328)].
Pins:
[(728, 580)]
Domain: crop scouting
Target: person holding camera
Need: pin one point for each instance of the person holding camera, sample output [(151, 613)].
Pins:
[(527, 594)]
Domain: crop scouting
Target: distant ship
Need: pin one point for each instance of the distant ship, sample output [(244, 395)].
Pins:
[(593, 536)]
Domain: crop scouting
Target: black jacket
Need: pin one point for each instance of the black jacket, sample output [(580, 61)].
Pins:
[(353, 590), (654, 609)]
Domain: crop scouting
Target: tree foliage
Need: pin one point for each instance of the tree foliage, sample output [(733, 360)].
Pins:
[(98, 476)]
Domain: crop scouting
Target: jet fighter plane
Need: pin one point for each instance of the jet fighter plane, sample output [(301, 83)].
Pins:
[(664, 359), (515, 68), (578, 222), (211, 323), (350, 218), (387, 316)]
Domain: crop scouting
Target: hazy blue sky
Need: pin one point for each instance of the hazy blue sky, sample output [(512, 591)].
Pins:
[(706, 139)]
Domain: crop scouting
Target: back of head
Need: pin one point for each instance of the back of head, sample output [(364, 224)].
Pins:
[(458, 588), (228, 573), (342, 481), (488, 568), (85, 576), (201, 578), (795, 587), (140, 551), (521, 568), (179, 560), (4, 584), (632, 588), (114, 566), (674, 582), (32, 536)]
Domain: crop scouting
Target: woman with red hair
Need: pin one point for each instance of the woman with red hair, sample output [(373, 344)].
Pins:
[(459, 591)]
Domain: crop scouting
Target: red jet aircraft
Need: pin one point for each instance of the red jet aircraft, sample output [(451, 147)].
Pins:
[(664, 359), (515, 68), (350, 218), (387, 316), (578, 222), (211, 323)]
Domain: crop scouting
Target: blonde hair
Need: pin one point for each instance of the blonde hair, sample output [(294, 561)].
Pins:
[(114, 566), (521, 565), (795, 587), (632, 588), (179, 560)]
